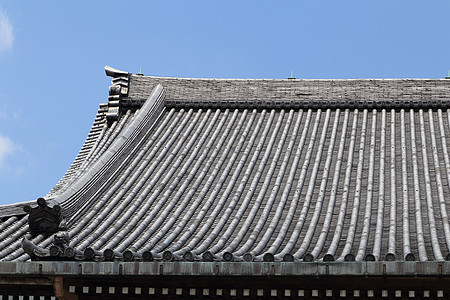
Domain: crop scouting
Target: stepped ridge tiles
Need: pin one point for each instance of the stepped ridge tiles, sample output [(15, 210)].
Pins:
[(190, 169)]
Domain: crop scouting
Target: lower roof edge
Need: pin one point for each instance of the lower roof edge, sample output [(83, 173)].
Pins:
[(253, 269)]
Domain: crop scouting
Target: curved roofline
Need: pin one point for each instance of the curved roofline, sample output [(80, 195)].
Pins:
[(155, 98)]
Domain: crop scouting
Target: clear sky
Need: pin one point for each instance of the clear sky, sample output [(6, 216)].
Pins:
[(52, 55)]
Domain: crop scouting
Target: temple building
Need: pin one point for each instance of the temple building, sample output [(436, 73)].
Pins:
[(245, 189)]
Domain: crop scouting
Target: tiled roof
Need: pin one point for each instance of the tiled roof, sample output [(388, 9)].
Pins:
[(209, 169)]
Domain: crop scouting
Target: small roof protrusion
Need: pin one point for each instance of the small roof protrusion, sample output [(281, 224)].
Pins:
[(108, 254), (167, 255), (292, 75), (288, 257), (410, 257), (349, 257), (328, 257), (268, 257), (248, 257), (370, 257), (89, 253), (55, 250), (228, 256), (308, 257), (128, 255), (207, 256), (41, 202), (147, 256), (69, 252), (27, 208), (390, 257), (188, 256)]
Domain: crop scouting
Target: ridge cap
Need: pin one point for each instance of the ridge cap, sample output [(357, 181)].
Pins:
[(287, 80)]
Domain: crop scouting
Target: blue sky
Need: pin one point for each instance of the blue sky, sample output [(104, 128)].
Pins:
[(52, 55)]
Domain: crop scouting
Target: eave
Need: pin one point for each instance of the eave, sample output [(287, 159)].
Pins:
[(178, 280), (253, 269)]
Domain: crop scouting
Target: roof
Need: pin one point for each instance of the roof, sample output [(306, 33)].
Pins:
[(254, 170)]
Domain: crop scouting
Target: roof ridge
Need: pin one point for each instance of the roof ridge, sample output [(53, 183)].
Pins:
[(291, 79), (148, 113)]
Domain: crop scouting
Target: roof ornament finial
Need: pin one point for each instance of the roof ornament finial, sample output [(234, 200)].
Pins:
[(44, 219), (140, 72), (117, 91), (292, 75), (448, 76), (47, 221), (111, 72)]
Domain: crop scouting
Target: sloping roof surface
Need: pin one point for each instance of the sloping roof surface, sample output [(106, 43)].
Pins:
[(200, 168)]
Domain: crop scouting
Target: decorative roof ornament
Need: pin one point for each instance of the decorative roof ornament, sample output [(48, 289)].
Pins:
[(44, 219), (34, 251), (111, 72), (117, 91)]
